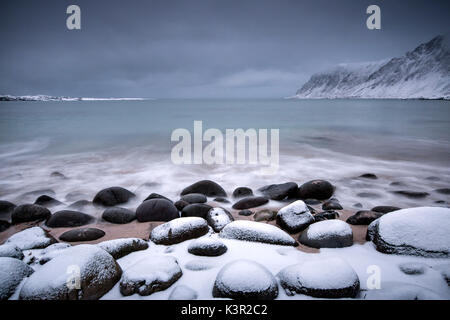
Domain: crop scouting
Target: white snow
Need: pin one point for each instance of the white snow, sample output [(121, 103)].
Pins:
[(295, 214), (326, 228), (177, 227), (218, 218), (401, 291), (426, 228), (31, 238), (119, 246), (256, 231), (12, 271), (11, 251), (183, 293)]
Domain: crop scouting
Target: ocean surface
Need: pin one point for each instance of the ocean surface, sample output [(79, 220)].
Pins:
[(98, 144)]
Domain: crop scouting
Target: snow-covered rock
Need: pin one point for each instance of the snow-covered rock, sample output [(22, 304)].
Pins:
[(45, 255), (179, 230), (327, 234), (400, 291), (200, 265), (32, 238), (218, 218), (149, 275), (412, 268), (183, 292), (421, 73), (245, 279), (323, 278), (12, 272), (83, 272), (421, 231), (207, 246), (294, 217), (256, 231), (11, 251), (119, 248)]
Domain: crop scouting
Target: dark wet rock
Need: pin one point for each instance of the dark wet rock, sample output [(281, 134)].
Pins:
[(207, 246), (150, 275), (119, 248), (242, 192), (12, 272), (358, 205), (207, 187), (32, 238), (294, 217), (443, 191), (326, 215), (218, 218), (245, 212), (183, 292), (257, 232), (221, 199), (6, 208), (327, 234), (279, 191), (47, 201), (196, 210), (413, 268), (180, 204), (29, 212), (385, 209), (98, 273), (420, 231), (371, 195), (364, 217), (4, 225), (179, 230), (118, 215), (194, 198), (368, 176), (68, 218), (156, 196), (312, 202), (397, 184), (331, 204), (265, 215), (311, 209), (324, 278), (113, 196), (80, 205), (156, 210), (250, 202), (412, 194), (245, 280), (316, 189), (57, 174), (11, 251), (440, 201), (433, 178), (83, 234)]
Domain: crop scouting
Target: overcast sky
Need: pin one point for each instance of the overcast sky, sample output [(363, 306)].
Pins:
[(193, 48)]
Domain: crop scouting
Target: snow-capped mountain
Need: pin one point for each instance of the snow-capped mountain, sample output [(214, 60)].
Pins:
[(421, 73)]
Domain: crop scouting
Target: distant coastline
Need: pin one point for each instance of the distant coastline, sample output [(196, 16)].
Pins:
[(55, 98)]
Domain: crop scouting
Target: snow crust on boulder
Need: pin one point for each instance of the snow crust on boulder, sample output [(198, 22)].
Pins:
[(96, 270), (218, 218), (179, 230), (322, 278), (328, 234), (207, 246), (32, 238), (422, 231), (294, 217), (149, 275), (245, 279), (12, 272), (11, 251), (119, 248), (256, 231), (183, 292), (400, 291)]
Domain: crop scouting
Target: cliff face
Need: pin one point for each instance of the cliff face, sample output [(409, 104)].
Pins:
[(421, 73)]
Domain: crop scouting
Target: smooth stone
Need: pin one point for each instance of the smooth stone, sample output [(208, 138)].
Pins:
[(412, 194), (57, 174), (245, 212), (312, 202), (413, 268), (368, 176), (358, 205), (47, 201), (245, 280), (80, 205), (12, 272), (265, 215), (364, 217), (4, 225), (242, 192), (29, 212), (327, 234), (207, 246), (250, 202), (331, 205), (194, 198), (196, 210), (207, 187), (68, 218), (112, 196), (316, 189), (218, 218), (294, 217), (118, 215), (385, 209), (443, 191), (180, 204), (221, 199), (179, 230), (31, 238), (156, 196), (183, 292), (6, 208), (119, 248), (326, 215), (83, 234), (279, 191), (11, 251), (156, 210), (372, 195)]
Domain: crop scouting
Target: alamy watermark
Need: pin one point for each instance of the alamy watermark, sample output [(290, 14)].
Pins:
[(235, 146)]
